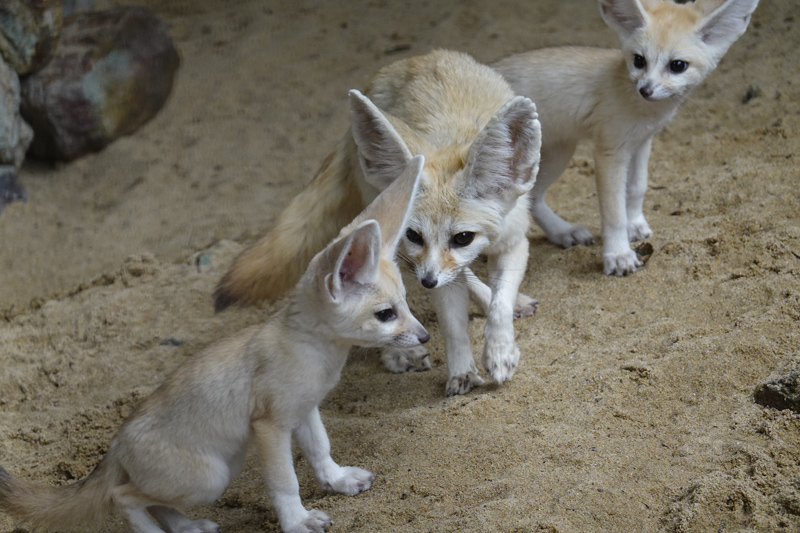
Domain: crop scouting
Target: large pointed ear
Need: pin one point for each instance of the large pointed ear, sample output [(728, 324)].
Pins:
[(382, 152), (392, 208), (723, 26), (623, 16), (504, 159), (358, 260)]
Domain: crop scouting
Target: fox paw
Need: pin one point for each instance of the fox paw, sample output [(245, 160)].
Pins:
[(351, 481), (525, 306), (574, 236), (639, 230), (500, 360), (620, 264), (315, 522), (201, 526), (406, 359), (463, 383)]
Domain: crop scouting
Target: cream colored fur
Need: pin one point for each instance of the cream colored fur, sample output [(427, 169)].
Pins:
[(184, 443), (620, 103), (481, 147)]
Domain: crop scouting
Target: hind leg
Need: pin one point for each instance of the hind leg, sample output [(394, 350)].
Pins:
[(175, 522), (638, 228), (133, 504), (554, 160)]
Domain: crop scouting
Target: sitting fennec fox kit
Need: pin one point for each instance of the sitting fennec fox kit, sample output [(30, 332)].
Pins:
[(184, 443), (481, 146), (620, 99)]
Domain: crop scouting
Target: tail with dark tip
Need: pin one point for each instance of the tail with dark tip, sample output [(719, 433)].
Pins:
[(312, 219)]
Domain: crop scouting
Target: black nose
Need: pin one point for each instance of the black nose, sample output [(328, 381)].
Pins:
[(429, 282), (424, 338), (646, 91)]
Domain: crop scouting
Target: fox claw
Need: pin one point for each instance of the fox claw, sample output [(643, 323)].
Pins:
[(639, 230), (202, 526), (620, 264), (574, 236), (525, 306), (410, 359), (500, 360), (315, 522), (351, 481), (463, 383)]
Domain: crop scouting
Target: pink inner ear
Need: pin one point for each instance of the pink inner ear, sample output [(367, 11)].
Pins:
[(354, 261), (349, 267)]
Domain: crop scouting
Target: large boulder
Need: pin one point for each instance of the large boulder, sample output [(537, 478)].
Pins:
[(29, 32), (15, 134), (112, 71)]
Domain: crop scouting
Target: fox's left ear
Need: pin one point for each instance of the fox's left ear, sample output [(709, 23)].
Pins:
[(723, 26), (393, 206), (358, 260), (504, 159)]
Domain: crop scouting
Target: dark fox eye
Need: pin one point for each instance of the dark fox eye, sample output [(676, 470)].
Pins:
[(385, 315), (677, 66), (462, 239), (639, 61), (414, 237)]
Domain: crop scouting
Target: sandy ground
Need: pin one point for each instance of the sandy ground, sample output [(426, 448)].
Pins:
[(632, 408)]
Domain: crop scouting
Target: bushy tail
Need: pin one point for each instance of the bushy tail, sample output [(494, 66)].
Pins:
[(60, 507), (312, 219)]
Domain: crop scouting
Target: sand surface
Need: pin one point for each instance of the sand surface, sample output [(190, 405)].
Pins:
[(632, 407)]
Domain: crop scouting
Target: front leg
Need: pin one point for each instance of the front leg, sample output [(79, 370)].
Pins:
[(501, 353), (451, 302), (638, 228), (612, 168), (313, 440), (274, 445)]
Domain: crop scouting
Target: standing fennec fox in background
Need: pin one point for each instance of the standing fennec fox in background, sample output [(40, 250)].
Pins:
[(481, 146), (620, 100), (184, 443)]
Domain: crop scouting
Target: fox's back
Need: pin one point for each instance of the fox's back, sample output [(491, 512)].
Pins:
[(444, 96)]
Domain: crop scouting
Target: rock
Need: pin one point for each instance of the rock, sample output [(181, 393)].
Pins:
[(29, 31), (15, 134), (77, 6), (10, 189), (782, 392), (112, 72)]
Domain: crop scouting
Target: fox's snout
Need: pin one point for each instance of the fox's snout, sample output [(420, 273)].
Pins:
[(429, 281)]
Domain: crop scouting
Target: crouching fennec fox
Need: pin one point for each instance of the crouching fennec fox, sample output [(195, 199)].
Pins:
[(620, 99), (186, 441), (481, 146)]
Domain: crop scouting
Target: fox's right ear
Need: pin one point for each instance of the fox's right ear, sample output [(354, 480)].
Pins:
[(357, 262), (623, 16), (382, 152)]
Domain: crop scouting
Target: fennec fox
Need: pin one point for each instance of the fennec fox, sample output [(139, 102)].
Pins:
[(184, 443), (620, 99), (481, 147)]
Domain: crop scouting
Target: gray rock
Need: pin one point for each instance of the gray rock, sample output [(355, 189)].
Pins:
[(77, 6), (29, 32), (15, 134), (10, 189), (113, 70), (782, 392)]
